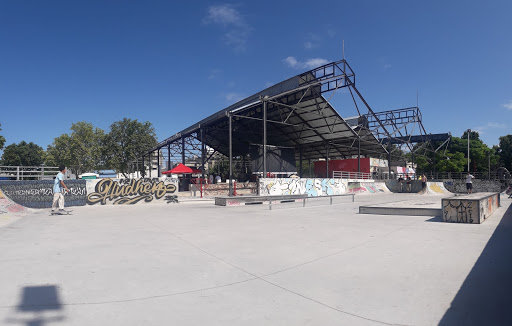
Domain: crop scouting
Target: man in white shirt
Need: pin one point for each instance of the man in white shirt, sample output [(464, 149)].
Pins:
[(469, 183), (58, 186)]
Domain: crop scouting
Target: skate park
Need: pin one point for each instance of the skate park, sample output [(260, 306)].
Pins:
[(341, 242)]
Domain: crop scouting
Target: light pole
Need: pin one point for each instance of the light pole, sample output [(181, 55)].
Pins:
[(468, 131), (489, 155)]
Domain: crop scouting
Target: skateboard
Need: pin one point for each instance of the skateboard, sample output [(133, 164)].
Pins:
[(61, 212)]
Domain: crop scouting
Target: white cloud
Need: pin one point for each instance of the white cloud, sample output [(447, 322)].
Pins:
[(291, 62), (508, 105), (308, 45), (308, 64), (237, 29), (490, 125), (223, 14), (214, 73), (387, 66), (234, 97), (313, 63)]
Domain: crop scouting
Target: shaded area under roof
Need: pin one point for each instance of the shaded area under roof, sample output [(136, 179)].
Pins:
[(298, 116)]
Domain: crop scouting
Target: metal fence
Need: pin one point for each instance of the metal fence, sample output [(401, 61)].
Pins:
[(351, 175), (28, 172), (414, 176)]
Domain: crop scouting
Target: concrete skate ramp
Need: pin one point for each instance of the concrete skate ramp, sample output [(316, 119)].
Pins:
[(394, 186), (436, 189), (10, 211), (9, 207), (367, 187)]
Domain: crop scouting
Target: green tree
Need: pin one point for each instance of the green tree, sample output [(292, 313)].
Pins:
[(126, 141), (80, 151), (454, 158), (23, 154), (2, 139), (504, 150)]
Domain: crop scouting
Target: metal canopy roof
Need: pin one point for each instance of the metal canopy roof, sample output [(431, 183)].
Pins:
[(298, 116)]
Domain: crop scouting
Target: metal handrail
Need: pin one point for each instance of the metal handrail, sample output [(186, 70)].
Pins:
[(351, 175), (28, 172)]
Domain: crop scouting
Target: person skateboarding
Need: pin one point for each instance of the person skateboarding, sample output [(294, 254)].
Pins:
[(58, 195)]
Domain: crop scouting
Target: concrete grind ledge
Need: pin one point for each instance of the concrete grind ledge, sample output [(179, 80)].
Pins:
[(400, 211)]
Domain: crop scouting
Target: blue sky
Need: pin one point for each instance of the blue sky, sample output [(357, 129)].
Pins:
[(174, 63)]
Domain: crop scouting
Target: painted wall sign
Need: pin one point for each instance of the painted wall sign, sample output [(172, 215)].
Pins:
[(128, 191), (39, 193)]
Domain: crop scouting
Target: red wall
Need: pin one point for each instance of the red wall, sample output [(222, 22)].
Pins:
[(348, 165)]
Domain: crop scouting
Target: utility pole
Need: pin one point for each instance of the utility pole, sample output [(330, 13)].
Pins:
[(468, 132)]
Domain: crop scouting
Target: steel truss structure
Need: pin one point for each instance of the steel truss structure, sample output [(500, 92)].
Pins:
[(295, 114)]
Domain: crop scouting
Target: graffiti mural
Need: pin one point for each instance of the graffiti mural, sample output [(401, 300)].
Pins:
[(128, 191), (395, 186), (311, 187), (474, 210), (39, 194), (459, 211), (459, 186)]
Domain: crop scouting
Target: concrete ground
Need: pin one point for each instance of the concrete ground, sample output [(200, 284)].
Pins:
[(194, 263)]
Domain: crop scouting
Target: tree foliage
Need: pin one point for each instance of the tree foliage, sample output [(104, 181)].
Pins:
[(23, 154), (504, 150), (80, 151), (454, 158), (2, 139), (126, 141)]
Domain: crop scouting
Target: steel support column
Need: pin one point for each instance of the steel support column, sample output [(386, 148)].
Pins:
[(202, 154), (183, 150), (300, 162), (327, 163), (359, 155), (158, 162), (169, 156), (264, 138), (230, 155), (389, 159)]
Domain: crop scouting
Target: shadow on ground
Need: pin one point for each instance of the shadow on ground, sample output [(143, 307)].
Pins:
[(485, 296), (38, 306)]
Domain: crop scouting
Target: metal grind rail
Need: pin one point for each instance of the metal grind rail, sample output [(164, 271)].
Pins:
[(305, 199)]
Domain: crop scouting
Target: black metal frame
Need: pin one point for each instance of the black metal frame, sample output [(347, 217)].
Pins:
[(294, 113)]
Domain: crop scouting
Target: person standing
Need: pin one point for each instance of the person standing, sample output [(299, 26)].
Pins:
[(423, 181), (409, 183), (401, 183), (469, 183), (58, 186)]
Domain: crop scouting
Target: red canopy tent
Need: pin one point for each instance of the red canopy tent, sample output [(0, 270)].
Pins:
[(182, 169)]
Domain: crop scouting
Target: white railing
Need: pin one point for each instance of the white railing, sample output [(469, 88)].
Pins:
[(350, 175), (28, 172)]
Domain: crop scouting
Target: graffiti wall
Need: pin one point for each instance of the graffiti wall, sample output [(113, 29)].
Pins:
[(39, 194), (459, 186), (366, 187), (222, 189), (396, 186), (295, 186), (474, 210), (130, 191)]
